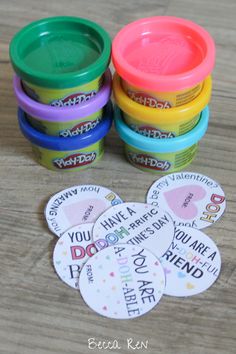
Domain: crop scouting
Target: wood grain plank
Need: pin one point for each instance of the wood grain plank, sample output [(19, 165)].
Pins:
[(38, 313)]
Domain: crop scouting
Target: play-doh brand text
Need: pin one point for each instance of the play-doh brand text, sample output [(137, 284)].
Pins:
[(149, 162), (80, 128), (75, 160), (152, 132), (75, 98), (147, 100)]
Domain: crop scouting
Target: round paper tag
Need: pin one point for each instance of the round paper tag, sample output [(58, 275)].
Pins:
[(72, 250), (122, 281), (78, 205), (137, 224), (191, 199), (192, 263)]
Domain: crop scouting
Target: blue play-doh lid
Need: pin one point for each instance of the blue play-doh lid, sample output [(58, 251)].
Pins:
[(66, 144), (148, 144)]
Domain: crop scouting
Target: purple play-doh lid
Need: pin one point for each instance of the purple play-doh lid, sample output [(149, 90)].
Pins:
[(63, 114)]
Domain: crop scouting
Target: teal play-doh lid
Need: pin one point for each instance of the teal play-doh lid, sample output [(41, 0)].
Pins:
[(163, 145), (161, 155), (60, 52)]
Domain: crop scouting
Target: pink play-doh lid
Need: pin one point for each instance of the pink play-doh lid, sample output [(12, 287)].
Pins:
[(163, 53)]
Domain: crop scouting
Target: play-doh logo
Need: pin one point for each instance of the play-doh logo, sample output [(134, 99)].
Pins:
[(152, 132), (147, 100), (75, 160), (75, 98), (149, 162), (80, 128)]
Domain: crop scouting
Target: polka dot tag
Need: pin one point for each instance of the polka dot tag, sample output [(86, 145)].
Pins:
[(130, 287)]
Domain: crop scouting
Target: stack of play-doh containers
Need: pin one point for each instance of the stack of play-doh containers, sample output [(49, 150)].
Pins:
[(162, 87), (63, 86)]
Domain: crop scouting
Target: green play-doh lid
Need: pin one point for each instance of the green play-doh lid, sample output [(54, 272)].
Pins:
[(60, 52)]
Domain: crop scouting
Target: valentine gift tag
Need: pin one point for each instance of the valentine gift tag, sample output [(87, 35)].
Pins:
[(192, 263), (72, 250), (137, 224), (122, 281), (78, 205), (190, 198)]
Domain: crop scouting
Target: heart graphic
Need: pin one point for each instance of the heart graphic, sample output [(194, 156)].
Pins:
[(75, 212), (181, 275), (104, 308), (182, 200), (190, 286), (112, 274), (167, 271)]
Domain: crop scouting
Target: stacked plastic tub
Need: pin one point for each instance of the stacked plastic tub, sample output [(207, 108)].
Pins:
[(63, 86), (162, 88)]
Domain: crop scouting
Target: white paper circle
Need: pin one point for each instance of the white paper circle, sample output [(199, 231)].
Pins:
[(192, 263), (190, 198), (137, 224), (78, 205), (72, 250), (122, 281)]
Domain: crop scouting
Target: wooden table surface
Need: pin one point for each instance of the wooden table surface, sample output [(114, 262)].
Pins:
[(40, 314)]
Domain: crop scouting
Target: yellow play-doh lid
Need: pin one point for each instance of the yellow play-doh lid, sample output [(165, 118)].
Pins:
[(154, 115)]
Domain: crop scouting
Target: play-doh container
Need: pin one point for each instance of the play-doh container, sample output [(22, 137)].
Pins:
[(159, 124), (64, 121), (61, 60), (163, 60), (67, 154), (161, 156)]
